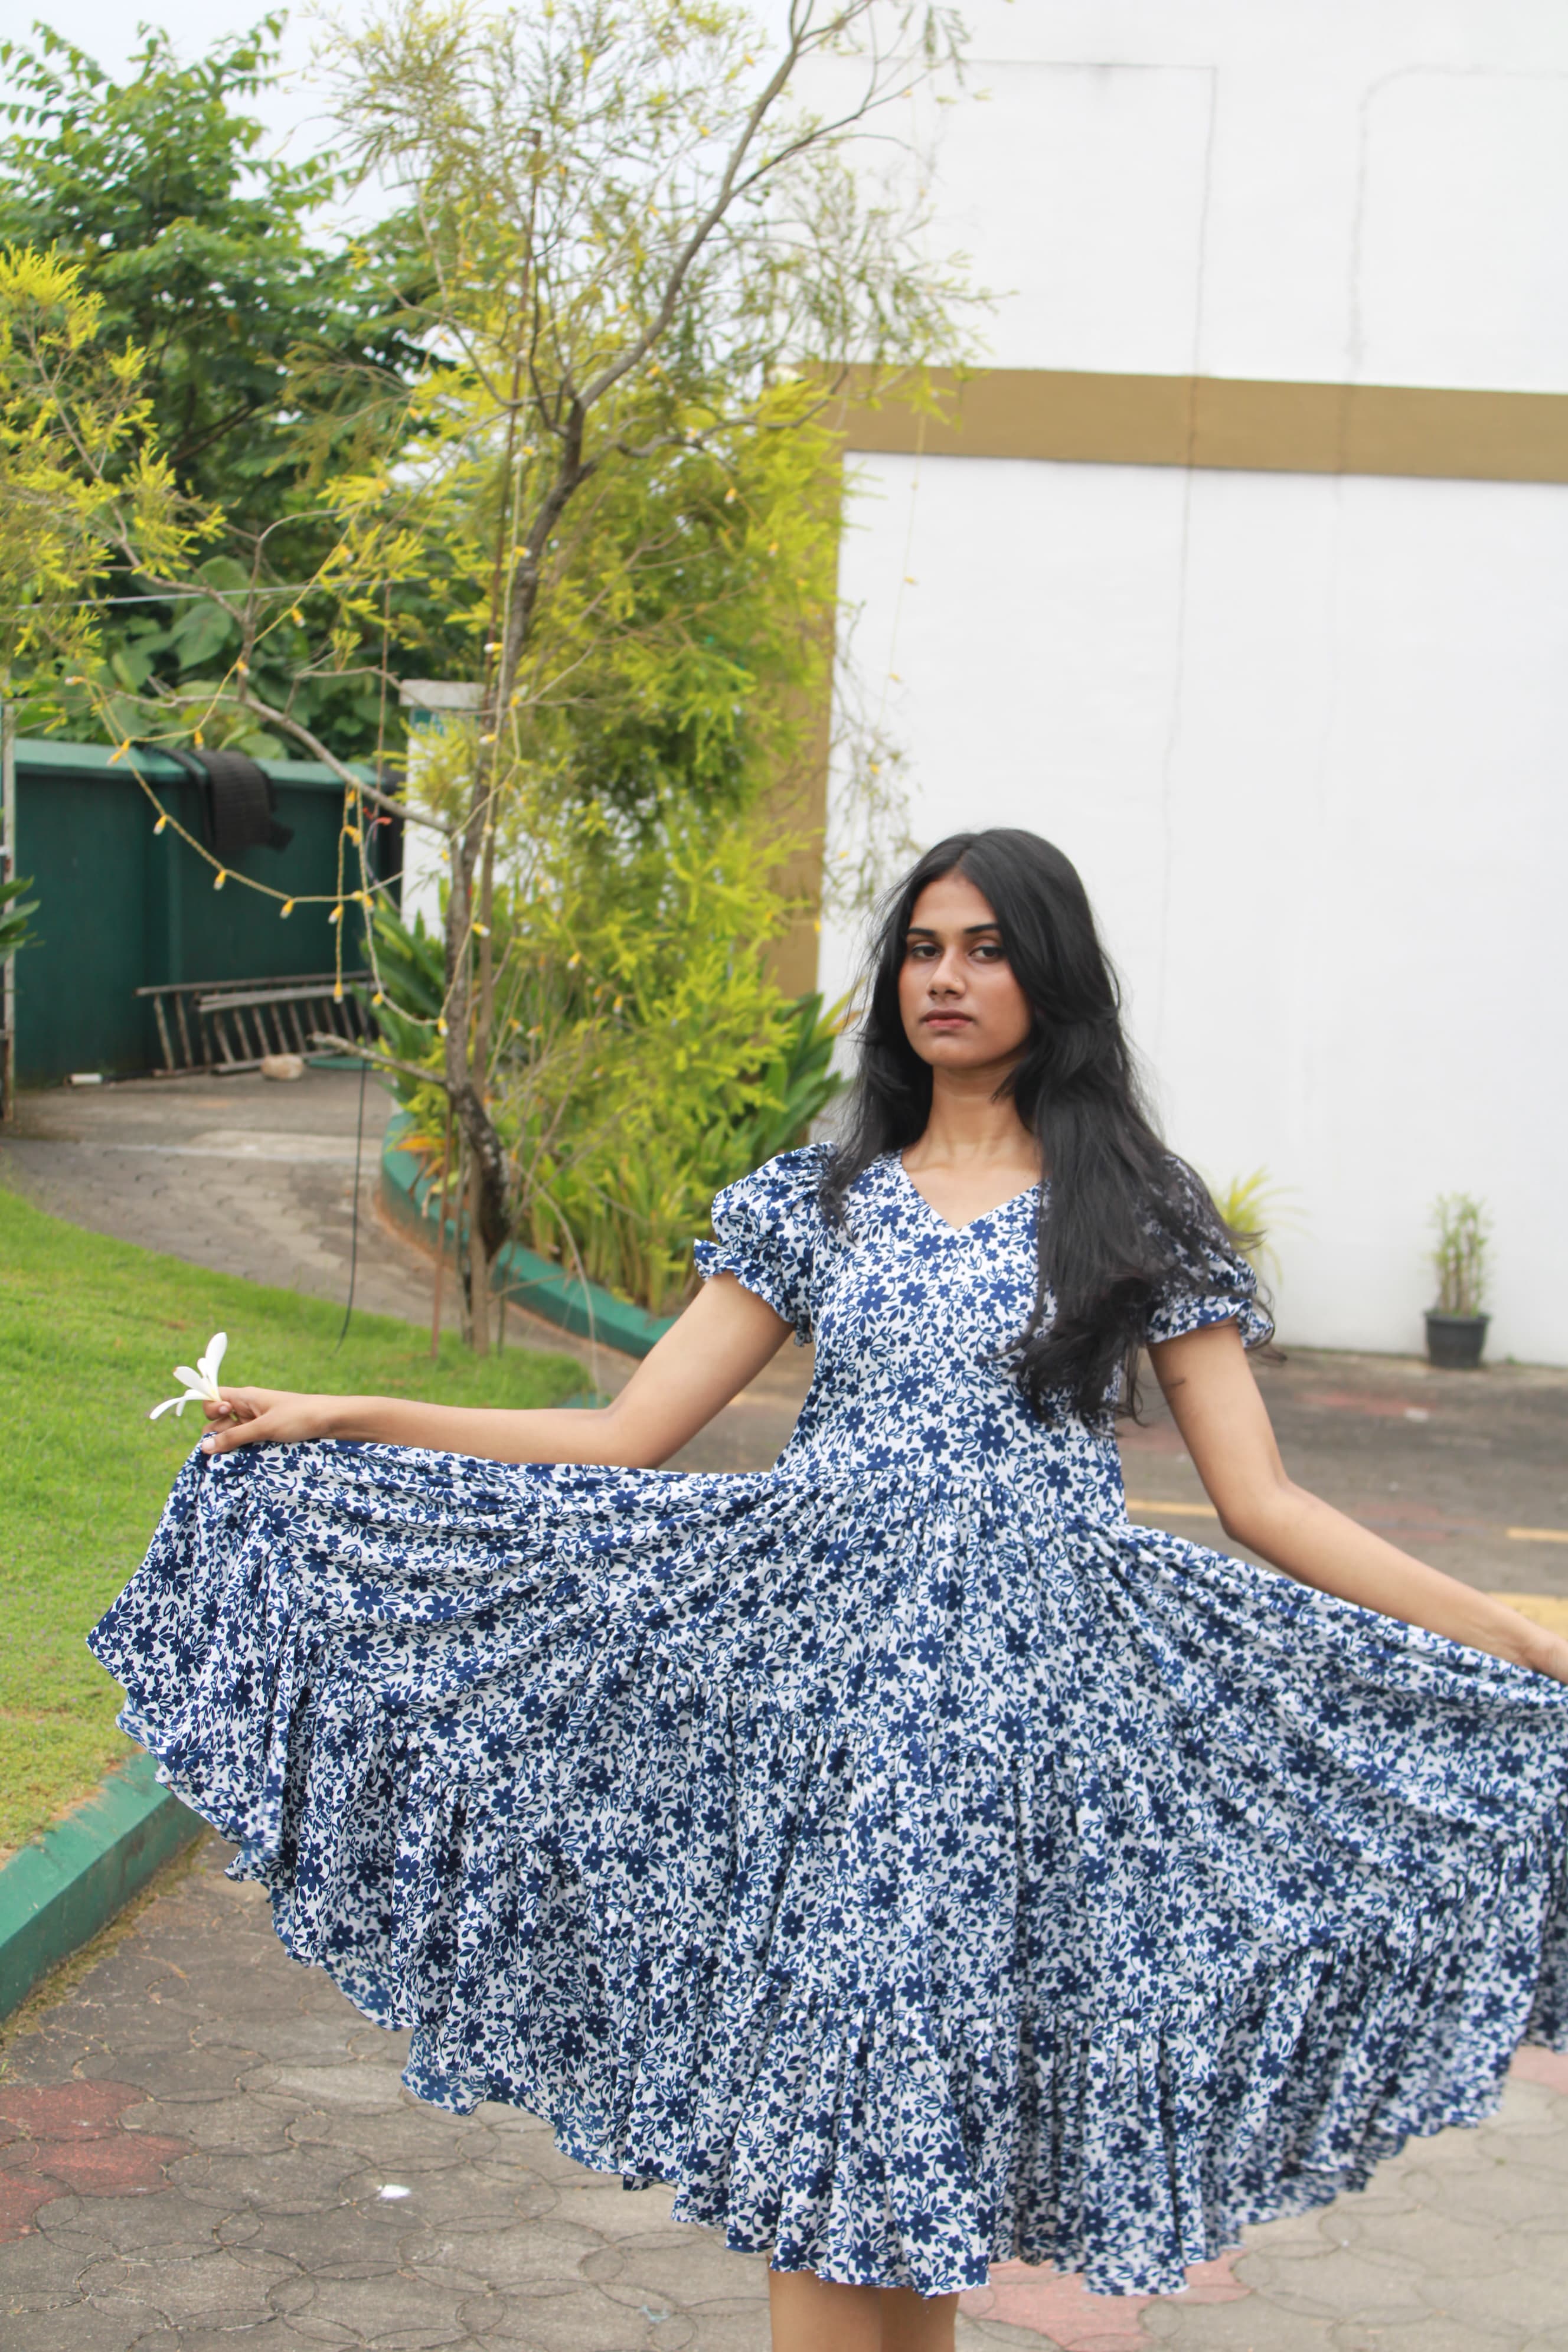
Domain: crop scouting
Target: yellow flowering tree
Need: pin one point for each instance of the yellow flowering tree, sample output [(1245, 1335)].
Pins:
[(652, 255), (641, 261), (77, 471)]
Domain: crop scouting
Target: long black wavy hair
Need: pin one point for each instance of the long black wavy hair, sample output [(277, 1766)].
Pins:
[(1127, 1219)]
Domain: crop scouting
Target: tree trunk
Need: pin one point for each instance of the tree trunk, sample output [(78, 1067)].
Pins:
[(468, 1011), (467, 1028), (478, 1266)]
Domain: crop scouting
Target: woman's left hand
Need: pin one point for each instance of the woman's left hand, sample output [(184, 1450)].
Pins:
[(1548, 1654), (1215, 1402)]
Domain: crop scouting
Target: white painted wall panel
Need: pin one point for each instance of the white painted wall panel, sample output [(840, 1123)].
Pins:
[(1305, 739), (1462, 271), (1080, 191), (1320, 189)]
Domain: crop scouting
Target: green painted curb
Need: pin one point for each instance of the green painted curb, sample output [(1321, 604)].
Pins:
[(57, 1892), (581, 1308)]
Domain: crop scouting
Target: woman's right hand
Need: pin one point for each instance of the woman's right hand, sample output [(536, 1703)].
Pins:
[(723, 1340), (264, 1417)]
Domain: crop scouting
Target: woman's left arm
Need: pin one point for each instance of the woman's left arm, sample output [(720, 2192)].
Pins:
[(1214, 1401)]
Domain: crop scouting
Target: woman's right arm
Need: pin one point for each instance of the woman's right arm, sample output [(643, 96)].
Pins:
[(719, 1343)]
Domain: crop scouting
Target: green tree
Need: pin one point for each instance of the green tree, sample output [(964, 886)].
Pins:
[(648, 269), (263, 342), (637, 1053), (651, 259), (81, 474)]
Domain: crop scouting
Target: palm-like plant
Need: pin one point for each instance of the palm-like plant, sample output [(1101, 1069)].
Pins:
[(802, 1082), (1253, 1207), (13, 912), (1459, 1258)]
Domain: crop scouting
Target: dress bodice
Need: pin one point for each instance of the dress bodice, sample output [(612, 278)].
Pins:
[(913, 1319)]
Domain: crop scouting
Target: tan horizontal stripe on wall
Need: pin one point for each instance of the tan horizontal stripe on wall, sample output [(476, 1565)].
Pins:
[(1228, 422)]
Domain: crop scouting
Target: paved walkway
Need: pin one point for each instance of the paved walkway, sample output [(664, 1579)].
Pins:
[(248, 1175), (203, 2146), (258, 1177), (206, 2146)]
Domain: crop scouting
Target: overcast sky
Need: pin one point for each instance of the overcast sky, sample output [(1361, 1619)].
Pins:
[(106, 30)]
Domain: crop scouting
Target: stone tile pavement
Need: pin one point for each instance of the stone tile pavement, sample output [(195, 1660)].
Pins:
[(204, 2147), (243, 1174)]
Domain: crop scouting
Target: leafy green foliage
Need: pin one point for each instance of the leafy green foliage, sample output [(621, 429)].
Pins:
[(412, 963), (263, 347), (801, 1081), (405, 1006), (679, 651), (89, 1330), (195, 239), (648, 1043), (572, 447), (646, 1056), (15, 934), (76, 473), (669, 694), (1254, 1208), (639, 234), (1459, 1259), (1245, 1205)]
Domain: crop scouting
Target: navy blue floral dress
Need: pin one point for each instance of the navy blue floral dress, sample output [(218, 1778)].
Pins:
[(898, 1852)]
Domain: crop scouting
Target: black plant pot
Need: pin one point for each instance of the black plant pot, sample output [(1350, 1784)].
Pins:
[(1454, 1342)]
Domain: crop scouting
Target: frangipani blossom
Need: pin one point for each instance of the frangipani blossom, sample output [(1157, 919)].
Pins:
[(201, 1386)]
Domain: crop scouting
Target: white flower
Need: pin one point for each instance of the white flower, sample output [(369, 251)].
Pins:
[(201, 1386)]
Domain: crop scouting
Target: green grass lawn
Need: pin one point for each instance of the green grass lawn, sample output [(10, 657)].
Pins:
[(89, 1332)]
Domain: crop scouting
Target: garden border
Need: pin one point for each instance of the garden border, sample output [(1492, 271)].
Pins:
[(61, 1888), (584, 1308)]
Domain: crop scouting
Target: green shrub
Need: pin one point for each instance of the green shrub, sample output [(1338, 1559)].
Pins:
[(14, 913), (1459, 1259), (644, 1056)]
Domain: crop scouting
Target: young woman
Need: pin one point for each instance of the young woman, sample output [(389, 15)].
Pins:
[(900, 1853)]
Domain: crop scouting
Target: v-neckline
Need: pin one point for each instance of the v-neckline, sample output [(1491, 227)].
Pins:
[(947, 1225)]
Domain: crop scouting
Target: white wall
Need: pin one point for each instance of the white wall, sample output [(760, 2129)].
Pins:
[(1305, 737), (1330, 190)]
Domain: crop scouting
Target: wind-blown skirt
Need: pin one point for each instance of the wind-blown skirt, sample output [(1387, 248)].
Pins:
[(911, 1874)]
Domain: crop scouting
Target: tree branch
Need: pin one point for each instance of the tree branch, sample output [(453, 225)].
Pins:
[(377, 1060), (313, 743)]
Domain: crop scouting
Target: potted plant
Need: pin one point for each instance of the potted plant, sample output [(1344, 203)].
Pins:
[(1455, 1326)]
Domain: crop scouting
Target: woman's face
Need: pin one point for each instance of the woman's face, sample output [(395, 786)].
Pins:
[(963, 1009)]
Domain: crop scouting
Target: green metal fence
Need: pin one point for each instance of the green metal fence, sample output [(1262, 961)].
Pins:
[(122, 908)]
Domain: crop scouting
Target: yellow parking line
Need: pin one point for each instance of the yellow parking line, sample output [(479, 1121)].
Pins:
[(1544, 1608), (1207, 1511), (1540, 1606)]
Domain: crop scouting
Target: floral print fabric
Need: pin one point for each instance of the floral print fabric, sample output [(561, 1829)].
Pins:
[(900, 1853)]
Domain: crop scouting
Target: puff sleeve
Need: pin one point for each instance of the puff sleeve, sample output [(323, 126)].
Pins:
[(767, 1228), (1215, 1284)]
